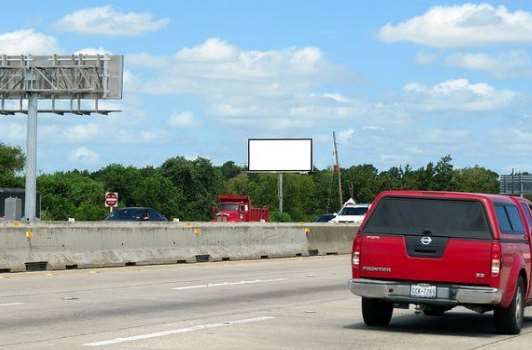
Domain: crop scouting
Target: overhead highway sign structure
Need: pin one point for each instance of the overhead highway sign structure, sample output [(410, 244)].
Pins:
[(516, 184), (71, 80)]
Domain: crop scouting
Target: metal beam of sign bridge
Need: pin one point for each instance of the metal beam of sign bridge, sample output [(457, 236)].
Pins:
[(72, 80)]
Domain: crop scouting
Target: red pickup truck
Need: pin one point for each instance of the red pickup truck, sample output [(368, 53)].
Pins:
[(438, 250)]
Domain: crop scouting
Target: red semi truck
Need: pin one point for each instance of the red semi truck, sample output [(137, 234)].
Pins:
[(238, 208), (438, 250)]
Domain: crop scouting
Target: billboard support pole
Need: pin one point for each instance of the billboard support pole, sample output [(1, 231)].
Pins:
[(30, 198), (280, 191)]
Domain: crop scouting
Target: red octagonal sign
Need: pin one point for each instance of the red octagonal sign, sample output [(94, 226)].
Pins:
[(111, 199)]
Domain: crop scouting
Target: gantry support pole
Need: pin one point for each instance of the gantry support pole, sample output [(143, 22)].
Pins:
[(30, 201)]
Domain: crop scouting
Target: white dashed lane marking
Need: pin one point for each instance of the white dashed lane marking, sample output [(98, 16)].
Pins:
[(223, 284), (11, 304), (179, 331)]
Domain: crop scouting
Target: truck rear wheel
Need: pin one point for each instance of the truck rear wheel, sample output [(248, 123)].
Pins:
[(376, 313), (510, 319)]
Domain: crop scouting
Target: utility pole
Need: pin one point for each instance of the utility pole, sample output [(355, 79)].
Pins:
[(280, 191), (338, 171)]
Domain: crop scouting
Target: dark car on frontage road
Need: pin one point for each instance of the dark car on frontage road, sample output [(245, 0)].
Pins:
[(135, 214)]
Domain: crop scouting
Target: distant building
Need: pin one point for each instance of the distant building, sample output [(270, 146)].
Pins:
[(16, 193)]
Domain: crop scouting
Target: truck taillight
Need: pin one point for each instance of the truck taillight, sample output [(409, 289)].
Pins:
[(356, 258), (495, 259), (357, 245)]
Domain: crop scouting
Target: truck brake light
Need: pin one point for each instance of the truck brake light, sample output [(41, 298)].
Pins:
[(356, 258), (357, 245), (495, 259)]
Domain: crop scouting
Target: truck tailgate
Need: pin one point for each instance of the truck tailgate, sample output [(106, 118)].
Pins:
[(449, 260)]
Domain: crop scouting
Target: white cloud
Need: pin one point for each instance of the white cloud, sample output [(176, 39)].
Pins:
[(105, 20), (93, 51), (82, 132), (213, 49), (338, 97), (345, 136), (182, 120), (148, 136), (513, 141), (414, 144), (424, 58), (372, 128), (133, 137), (12, 131), (27, 41), (131, 82), (457, 95), (229, 68), (509, 64), (275, 88), (83, 155), (461, 26)]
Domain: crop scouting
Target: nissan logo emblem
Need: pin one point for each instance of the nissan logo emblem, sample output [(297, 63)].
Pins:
[(426, 240)]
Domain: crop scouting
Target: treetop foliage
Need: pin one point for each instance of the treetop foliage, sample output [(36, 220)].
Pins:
[(187, 189)]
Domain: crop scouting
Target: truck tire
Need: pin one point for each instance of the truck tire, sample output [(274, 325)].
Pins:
[(376, 313), (510, 320)]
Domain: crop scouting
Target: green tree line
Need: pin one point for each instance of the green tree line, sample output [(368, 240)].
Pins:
[(187, 189)]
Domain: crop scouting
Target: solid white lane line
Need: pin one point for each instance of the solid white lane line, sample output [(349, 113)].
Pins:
[(179, 331), (222, 284), (11, 304)]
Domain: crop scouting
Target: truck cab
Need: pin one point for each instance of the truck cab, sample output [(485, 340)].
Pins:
[(438, 250), (351, 213), (238, 208)]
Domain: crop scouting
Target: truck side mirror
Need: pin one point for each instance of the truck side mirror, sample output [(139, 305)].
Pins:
[(214, 209)]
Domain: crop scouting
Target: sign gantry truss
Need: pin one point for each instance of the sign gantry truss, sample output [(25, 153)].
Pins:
[(516, 184), (73, 78)]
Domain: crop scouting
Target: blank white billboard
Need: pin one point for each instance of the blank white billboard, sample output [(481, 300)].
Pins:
[(280, 155)]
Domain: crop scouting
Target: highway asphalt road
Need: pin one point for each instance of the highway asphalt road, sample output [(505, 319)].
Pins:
[(299, 303)]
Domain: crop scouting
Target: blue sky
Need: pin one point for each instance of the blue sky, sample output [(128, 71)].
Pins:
[(400, 82)]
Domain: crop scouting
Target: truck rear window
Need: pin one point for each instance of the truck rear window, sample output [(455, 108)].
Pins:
[(434, 217)]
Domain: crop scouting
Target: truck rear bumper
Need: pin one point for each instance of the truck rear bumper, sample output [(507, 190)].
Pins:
[(399, 291)]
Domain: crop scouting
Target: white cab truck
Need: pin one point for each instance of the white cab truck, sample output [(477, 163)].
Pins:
[(351, 213)]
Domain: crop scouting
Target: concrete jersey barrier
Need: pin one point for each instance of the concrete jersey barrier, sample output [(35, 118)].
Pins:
[(55, 246), (324, 239)]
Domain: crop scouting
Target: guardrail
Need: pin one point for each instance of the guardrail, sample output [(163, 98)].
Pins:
[(62, 245)]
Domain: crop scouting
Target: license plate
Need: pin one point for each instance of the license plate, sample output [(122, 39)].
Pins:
[(423, 291)]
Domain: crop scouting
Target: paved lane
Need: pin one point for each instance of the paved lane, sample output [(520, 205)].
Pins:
[(299, 303)]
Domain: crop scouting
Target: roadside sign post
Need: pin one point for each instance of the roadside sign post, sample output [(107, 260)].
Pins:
[(111, 200)]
